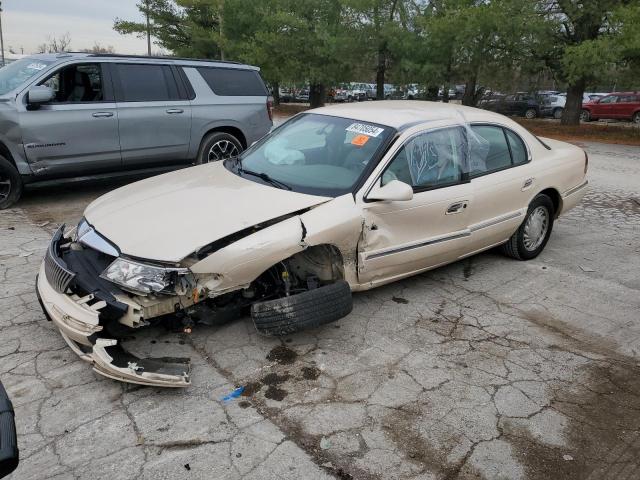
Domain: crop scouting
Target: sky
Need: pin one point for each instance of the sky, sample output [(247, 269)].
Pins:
[(27, 24)]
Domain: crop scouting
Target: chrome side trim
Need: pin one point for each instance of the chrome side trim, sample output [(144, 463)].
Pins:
[(92, 239), (496, 221), (433, 241), (573, 190)]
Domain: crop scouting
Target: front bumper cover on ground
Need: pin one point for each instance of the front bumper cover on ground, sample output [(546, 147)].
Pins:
[(79, 320)]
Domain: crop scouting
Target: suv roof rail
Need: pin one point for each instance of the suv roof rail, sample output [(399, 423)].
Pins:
[(162, 57)]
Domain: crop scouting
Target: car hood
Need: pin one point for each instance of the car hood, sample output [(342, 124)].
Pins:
[(170, 216)]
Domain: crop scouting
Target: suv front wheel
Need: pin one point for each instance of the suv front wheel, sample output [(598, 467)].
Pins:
[(218, 146), (10, 184)]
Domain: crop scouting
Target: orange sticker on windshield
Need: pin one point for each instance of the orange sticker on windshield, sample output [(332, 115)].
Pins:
[(359, 140)]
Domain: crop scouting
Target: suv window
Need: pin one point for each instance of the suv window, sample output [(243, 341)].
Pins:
[(233, 81), (429, 160), (609, 99), (627, 99), (77, 83), (146, 83)]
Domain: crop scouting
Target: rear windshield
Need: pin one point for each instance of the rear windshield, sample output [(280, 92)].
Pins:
[(16, 73), (233, 82)]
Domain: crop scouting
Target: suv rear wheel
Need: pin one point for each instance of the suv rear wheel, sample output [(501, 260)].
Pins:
[(531, 113), (218, 146), (10, 184)]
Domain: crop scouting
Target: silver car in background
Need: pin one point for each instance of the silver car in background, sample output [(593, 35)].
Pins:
[(79, 115)]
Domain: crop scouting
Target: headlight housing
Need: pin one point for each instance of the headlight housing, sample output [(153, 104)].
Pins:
[(140, 277)]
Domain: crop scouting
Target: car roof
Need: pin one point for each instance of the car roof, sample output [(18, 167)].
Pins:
[(63, 56), (401, 114)]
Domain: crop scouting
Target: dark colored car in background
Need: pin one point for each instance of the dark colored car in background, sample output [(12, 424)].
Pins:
[(521, 104), (8, 441), (618, 105)]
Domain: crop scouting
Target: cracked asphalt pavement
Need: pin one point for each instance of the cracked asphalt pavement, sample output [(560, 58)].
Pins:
[(487, 368)]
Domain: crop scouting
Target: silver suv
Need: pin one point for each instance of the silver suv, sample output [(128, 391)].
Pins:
[(79, 115)]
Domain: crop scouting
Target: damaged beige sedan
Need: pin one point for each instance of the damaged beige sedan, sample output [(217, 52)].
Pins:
[(335, 200)]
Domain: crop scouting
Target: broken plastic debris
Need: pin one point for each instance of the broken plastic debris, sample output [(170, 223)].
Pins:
[(586, 269), (568, 458), (325, 444), (235, 394)]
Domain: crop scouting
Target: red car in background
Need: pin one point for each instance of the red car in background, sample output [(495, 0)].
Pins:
[(619, 105)]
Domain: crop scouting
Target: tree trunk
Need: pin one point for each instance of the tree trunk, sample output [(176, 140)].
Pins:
[(380, 72), (275, 86), (573, 105), (469, 93), (316, 95)]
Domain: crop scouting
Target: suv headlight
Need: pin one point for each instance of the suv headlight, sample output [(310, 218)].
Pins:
[(140, 277)]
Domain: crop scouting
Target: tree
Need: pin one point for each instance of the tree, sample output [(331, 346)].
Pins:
[(587, 37), (55, 44)]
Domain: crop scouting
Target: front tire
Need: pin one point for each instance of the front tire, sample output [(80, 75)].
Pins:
[(585, 116), (557, 113), (309, 309), (10, 184), (636, 118), (532, 236), (218, 146)]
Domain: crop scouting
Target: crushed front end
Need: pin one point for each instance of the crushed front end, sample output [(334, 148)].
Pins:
[(91, 311)]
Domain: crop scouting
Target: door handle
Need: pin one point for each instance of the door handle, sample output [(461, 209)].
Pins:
[(527, 183), (174, 110), (102, 114), (456, 207)]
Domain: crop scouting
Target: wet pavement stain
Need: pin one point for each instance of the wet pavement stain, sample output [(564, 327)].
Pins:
[(310, 373), (275, 393), (400, 300), (283, 355)]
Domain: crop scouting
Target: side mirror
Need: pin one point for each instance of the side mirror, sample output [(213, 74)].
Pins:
[(8, 442), (39, 94), (395, 190)]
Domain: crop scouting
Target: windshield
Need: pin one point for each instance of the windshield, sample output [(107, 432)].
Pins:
[(16, 73), (315, 154)]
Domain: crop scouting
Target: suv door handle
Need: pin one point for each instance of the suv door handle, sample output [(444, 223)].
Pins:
[(175, 110), (102, 114), (456, 207)]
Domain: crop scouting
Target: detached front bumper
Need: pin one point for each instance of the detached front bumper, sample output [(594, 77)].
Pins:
[(78, 318)]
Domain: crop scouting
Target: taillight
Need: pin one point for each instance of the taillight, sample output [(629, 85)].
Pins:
[(586, 162), (270, 109)]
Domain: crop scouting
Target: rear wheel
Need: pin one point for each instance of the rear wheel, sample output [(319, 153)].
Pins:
[(532, 236), (530, 113), (308, 309), (218, 146), (585, 116), (10, 184), (557, 113)]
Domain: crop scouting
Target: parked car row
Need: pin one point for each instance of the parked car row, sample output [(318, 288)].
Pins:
[(73, 116)]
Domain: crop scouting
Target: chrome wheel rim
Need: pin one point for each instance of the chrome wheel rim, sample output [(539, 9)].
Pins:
[(5, 187), (222, 150), (530, 114), (535, 228)]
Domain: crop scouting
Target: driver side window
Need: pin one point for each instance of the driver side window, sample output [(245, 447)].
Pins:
[(429, 160), (76, 83)]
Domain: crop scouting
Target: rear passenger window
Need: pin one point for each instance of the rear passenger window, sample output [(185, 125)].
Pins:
[(146, 83), (518, 150), (495, 152), (233, 81)]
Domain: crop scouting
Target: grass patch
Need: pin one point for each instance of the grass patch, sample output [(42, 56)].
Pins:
[(288, 109), (590, 132)]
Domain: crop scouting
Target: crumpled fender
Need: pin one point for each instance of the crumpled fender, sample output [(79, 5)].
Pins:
[(337, 222)]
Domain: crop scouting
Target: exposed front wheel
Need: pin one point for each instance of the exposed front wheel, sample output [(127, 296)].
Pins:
[(10, 184), (557, 113), (532, 236), (308, 309), (218, 146), (636, 118), (585, 116), (530, 113)]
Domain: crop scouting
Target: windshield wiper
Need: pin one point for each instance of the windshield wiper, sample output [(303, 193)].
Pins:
[(265, 177)]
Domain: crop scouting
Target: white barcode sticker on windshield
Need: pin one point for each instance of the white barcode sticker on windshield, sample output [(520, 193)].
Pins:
[(364, 129)]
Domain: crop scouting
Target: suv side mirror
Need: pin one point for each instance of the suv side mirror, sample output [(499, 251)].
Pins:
[(395, 190), (9, 456), (39, 94)]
